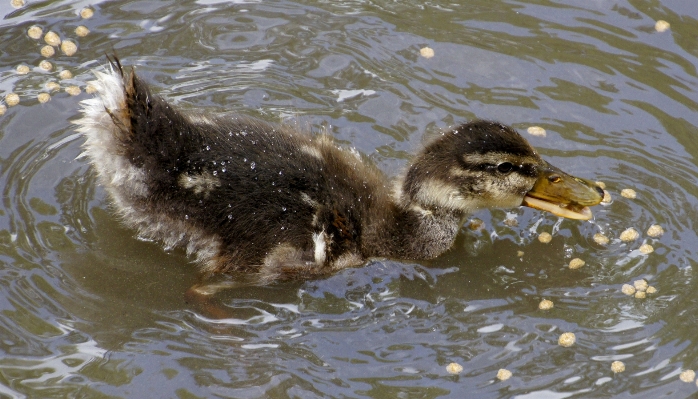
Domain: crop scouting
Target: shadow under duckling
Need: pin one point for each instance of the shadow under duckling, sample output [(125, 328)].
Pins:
[(266, 202)]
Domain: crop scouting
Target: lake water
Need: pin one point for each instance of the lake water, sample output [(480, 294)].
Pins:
[(87, 309)]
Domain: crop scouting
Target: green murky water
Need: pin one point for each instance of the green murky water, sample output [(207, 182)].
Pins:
[(89, 310)]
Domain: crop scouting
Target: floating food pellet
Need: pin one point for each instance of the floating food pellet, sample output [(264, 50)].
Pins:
[(601, 184), (628, 193), (640, 294), (536, 131), (651, 290), (627, 289), (601, 239), (566, 339), (73, 90), (82, 31), (687, 376), (65, 74), (22, 69), (545, 237), (519, 254), (47, 51), (86, 13), (17, 3), (640, 285), (617, 366), (53, 86), (576, 263), (646, 249), (503, 374), (655, 230), (90, 89), (629, 234), (511, 222), (476, 224), (43, 97), (454, 368), (661, 26), (426, 52), (3, 109), (607, 199), (52, 38), (35, 32), (45, 65), (11, 99), (545, 304), (69, 47)]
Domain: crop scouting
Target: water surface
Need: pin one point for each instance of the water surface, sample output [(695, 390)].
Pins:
[(88, 309)]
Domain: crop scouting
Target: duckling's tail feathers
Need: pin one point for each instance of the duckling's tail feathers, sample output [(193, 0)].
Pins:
[(128, 122), (105, 121), (115, 63)]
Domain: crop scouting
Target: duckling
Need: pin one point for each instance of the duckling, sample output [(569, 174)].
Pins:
[(254, 199)]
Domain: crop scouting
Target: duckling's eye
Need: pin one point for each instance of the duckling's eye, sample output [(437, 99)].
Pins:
[(505, 167)]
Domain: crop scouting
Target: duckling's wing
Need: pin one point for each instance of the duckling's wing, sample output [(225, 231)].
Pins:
[(240, 194)]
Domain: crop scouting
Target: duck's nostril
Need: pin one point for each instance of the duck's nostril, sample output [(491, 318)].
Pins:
[(600, 191)]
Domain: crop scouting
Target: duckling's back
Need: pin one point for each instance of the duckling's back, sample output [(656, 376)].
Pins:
[(239, 194)]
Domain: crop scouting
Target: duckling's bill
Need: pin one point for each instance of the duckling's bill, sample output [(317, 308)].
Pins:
[(563, 195)]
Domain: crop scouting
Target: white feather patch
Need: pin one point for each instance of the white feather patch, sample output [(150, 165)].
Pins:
[(320, 246)]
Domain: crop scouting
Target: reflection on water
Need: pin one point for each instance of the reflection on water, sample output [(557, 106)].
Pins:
[(86, 309)]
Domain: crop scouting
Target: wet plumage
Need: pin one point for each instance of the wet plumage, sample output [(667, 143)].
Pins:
[(248, 197)]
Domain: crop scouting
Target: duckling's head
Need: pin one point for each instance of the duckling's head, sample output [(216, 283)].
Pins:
[(486, 164)]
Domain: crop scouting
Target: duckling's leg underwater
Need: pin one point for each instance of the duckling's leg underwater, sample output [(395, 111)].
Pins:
[(266, 202)]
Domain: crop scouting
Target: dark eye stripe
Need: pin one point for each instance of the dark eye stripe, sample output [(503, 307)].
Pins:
[(528, 170), (525, 169)]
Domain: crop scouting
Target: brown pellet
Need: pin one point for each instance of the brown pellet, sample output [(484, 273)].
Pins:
[(11, 99), (601, 239), (566, 339), (69, 47), (52, 38), (576, 263), (655, 231), (617, 366), (35, 32), (536, 131), (629, 234), (426, 52), (86, 13), (48, 51), (73, 90), (545, 237), (454, 368), (503, 374), (82, 31)]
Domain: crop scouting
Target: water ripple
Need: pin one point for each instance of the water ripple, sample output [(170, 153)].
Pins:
[(89, 310)]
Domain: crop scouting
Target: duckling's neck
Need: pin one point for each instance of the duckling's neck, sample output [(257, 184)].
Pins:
[(413, 231), (428, 233)]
